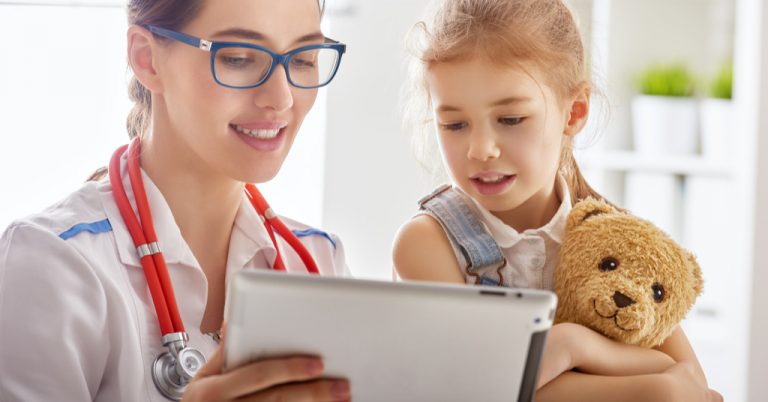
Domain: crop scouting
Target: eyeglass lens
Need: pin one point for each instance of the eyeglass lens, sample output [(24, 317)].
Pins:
[(244, 67)]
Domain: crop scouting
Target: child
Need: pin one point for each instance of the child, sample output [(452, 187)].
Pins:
[(507, 86)]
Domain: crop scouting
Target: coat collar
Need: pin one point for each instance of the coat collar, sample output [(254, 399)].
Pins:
[(248, 233)]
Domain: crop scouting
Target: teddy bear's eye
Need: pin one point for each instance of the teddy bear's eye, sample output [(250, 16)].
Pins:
[(608, 264), (658, 292)]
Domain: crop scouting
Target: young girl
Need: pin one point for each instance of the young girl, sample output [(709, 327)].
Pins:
[(89, 290), (507, 86)]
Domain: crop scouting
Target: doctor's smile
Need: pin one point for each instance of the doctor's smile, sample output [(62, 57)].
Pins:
[(264, 136)]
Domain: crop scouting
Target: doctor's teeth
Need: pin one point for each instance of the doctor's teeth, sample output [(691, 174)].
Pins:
[(258, 133)]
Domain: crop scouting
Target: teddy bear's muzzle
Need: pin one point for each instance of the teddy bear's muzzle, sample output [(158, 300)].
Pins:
[(620, 313)]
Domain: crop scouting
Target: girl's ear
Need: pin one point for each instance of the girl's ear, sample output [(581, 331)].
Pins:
[(142, 57), (579, 111)]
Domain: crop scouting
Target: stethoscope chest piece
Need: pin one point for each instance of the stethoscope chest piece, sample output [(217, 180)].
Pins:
[(174, 369)]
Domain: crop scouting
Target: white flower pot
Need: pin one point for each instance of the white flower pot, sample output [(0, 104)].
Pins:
[(665, 125), (717, 117)]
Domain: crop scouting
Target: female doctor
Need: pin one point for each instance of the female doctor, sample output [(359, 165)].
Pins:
[(117, 292)]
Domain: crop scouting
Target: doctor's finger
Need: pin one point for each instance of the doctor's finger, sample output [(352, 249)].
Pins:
[(264, 374), (215, 364), (327, 390)]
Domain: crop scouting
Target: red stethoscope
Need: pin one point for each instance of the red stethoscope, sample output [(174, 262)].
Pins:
[(173, 370)]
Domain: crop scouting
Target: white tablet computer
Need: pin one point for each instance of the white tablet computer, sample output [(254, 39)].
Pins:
[(395, 341)]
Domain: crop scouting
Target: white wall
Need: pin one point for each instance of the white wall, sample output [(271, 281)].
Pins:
[(63, 100), (756, 11), (372, 182)]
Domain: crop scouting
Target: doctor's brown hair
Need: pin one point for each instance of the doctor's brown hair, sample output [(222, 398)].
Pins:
[(507, 33), (169, 14)]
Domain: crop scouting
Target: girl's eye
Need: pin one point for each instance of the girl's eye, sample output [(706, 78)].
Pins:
[(511, 121), (453, 126)]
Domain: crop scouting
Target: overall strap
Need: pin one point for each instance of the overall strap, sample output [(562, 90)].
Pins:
[(461, 221)]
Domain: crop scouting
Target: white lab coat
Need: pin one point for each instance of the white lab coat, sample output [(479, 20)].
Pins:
[(77, 321)]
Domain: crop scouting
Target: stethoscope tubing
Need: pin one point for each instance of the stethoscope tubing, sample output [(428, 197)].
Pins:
[(172, 370), (157, 281)]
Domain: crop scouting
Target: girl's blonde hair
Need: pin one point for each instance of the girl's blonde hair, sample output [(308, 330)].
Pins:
[(505, 32)]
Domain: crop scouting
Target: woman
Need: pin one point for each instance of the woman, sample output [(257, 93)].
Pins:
[(221, 88)]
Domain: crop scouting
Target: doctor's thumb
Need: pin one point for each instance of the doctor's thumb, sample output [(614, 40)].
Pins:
[(215, 364)]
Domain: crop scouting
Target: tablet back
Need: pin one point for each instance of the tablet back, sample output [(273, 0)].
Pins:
[(395, 341)]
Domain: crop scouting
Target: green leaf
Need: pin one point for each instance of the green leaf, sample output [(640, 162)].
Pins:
[(670, 80)]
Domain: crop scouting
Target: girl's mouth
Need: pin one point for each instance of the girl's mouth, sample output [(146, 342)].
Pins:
[(492, 184)]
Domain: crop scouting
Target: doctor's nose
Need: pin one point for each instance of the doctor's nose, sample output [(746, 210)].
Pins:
[(275, 93), (483, 146)]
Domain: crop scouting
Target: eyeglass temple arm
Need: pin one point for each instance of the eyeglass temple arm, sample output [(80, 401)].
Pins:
[(183, 38)]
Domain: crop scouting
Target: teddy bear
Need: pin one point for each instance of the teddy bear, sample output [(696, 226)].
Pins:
[(622, 276)]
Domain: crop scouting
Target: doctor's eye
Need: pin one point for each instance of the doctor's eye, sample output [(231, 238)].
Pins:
[(453, 126), (511, 121), (608, 264), (235, 61), (304, 62)]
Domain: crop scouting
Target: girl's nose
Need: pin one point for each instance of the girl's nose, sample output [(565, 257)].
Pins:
[(275, 93), (483, 146)]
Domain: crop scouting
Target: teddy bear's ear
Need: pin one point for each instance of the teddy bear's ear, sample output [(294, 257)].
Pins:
[(586, 209), (693, 265)]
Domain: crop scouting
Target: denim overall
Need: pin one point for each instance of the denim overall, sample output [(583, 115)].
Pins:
[(477, 252)]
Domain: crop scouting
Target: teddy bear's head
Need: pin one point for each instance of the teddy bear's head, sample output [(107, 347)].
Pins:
[(622, 276)]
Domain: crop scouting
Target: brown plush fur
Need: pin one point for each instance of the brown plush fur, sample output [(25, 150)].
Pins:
[(646, 256)]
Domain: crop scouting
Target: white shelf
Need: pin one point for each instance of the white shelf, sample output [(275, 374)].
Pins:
[(633, 162)]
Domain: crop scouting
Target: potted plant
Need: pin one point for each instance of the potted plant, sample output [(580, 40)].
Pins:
[(717, 115), (665, 114)]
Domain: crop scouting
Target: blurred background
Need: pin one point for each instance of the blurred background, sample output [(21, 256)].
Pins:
[(676, 136)]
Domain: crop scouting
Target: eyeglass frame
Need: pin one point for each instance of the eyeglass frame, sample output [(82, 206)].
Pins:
[(277, 59)]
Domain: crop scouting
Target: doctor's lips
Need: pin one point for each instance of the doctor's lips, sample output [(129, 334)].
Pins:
[(491, 183), (264, 130)]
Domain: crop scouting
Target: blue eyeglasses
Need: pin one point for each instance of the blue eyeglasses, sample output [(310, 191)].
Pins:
[(244, 65)]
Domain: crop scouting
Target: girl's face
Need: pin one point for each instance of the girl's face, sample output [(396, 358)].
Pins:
[(500, 131), (209, 121)]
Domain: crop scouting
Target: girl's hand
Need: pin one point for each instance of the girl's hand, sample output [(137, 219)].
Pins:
[(286, 379), (559, 352), (572, 346), (684, 384)]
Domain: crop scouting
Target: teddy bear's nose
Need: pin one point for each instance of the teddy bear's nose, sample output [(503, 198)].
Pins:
[(622, 300)]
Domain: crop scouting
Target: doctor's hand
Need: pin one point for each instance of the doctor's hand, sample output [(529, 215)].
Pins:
[(286, 379)]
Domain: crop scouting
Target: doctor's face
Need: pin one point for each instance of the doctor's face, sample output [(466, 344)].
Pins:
[(244, 134)]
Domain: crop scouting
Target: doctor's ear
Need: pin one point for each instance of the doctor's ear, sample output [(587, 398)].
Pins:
[(142, 56), (578, 110)]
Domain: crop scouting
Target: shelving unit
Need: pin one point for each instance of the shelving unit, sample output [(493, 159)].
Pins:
[(704, 204)]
